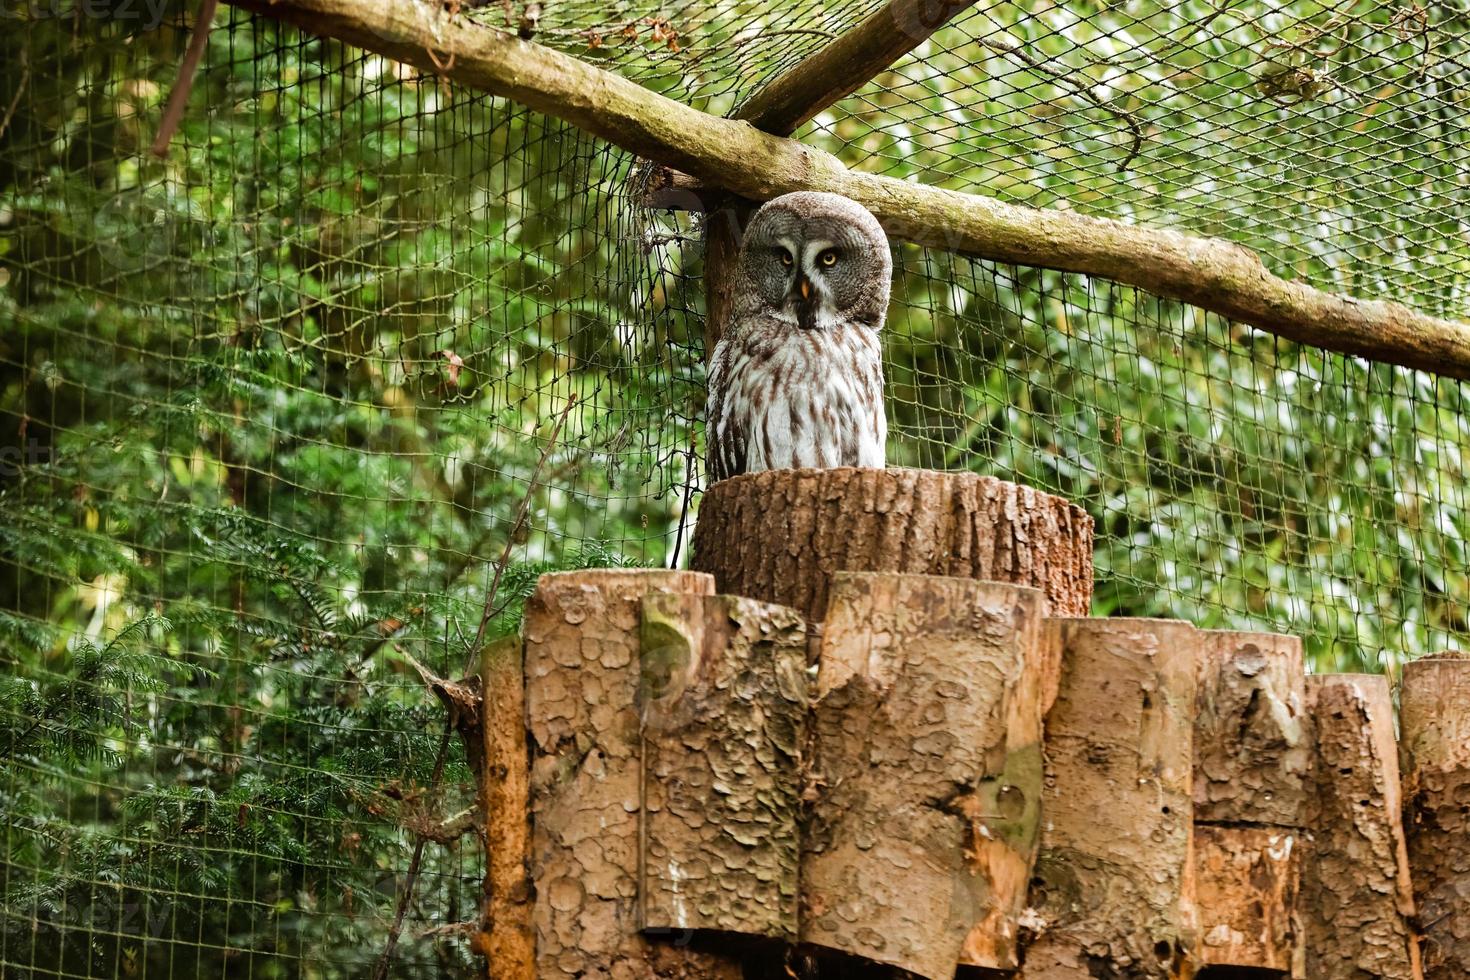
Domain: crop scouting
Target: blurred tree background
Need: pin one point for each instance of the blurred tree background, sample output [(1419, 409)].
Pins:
[(269, 404)]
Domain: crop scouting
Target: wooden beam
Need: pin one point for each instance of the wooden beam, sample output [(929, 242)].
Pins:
[(847, 64), (1209, 273)]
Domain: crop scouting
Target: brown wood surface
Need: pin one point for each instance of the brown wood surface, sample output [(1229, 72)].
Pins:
[(1253, 749), (582, 687), (505, 937), (1357, 899), (724, 724), (1113, 890), (925, 776), (780, 535), (722, 230), (1434, 722), (1254, 752), (1246, 884)]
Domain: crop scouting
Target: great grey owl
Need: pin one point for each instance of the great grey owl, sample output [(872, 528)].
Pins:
[(797, 378)]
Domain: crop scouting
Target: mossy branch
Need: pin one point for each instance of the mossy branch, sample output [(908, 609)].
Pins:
[(1209, 273)]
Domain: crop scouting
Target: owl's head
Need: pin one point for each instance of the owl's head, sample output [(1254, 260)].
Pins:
[(819, 259)]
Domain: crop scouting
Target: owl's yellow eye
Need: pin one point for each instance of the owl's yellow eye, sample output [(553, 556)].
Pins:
[(786, 259), (828, 258)]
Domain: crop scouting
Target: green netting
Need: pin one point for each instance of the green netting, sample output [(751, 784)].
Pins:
[(269, 405)]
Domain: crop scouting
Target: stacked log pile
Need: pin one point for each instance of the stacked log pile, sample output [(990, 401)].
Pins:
[(905, 751)]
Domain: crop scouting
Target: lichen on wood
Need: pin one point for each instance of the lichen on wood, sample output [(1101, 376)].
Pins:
[(1112, 893), (1357, 899), (724, 712), (780, 535), (925, 771), (1434, 720)]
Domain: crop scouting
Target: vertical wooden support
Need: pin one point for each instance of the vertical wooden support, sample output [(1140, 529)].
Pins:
[(1112, 893), (1253, 759), (582, 675), (1434, 721), (505, 937), (925, 771), (724, 722), (722, 229), (1357, 900)]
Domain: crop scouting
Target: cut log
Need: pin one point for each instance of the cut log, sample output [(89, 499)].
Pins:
[(1253, 750), (1357, 900), (925, 772), (1113, 890), (582, 675), (780, 535), (1246, 884), (1252, 778), (505, 936), (1434, 721), (724, 722)]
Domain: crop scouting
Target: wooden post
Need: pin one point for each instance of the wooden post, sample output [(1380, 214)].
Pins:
[(1253, 759), (925, 771), (780, 535), (1112, 893), (582, 677), (724, 722), (1357, 900), (505, 936), (1435, 743)]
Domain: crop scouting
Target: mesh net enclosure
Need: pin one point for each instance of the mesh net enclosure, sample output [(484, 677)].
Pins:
[(270, 403)]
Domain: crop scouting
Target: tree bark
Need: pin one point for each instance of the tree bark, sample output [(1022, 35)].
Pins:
[(1253, 744), (1246, 883), (1357, 899), (1434, 719), (1253, 765), (724, 722), (780, 535), (925, 771), (733, 155), (582, 679), (1113, 893)]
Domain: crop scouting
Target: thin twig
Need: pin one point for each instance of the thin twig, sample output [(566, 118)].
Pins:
[(174, 111), (380, 972), (20, 89), (1009, 47)]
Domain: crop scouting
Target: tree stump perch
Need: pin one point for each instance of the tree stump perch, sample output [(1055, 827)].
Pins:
[(780, 535)]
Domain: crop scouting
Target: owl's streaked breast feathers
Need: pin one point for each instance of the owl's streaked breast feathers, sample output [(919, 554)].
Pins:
[(797, 378)]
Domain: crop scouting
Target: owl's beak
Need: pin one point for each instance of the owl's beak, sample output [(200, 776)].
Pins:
[(806, 310)]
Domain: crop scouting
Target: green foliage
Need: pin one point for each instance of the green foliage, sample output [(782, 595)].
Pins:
[(277, 398)]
